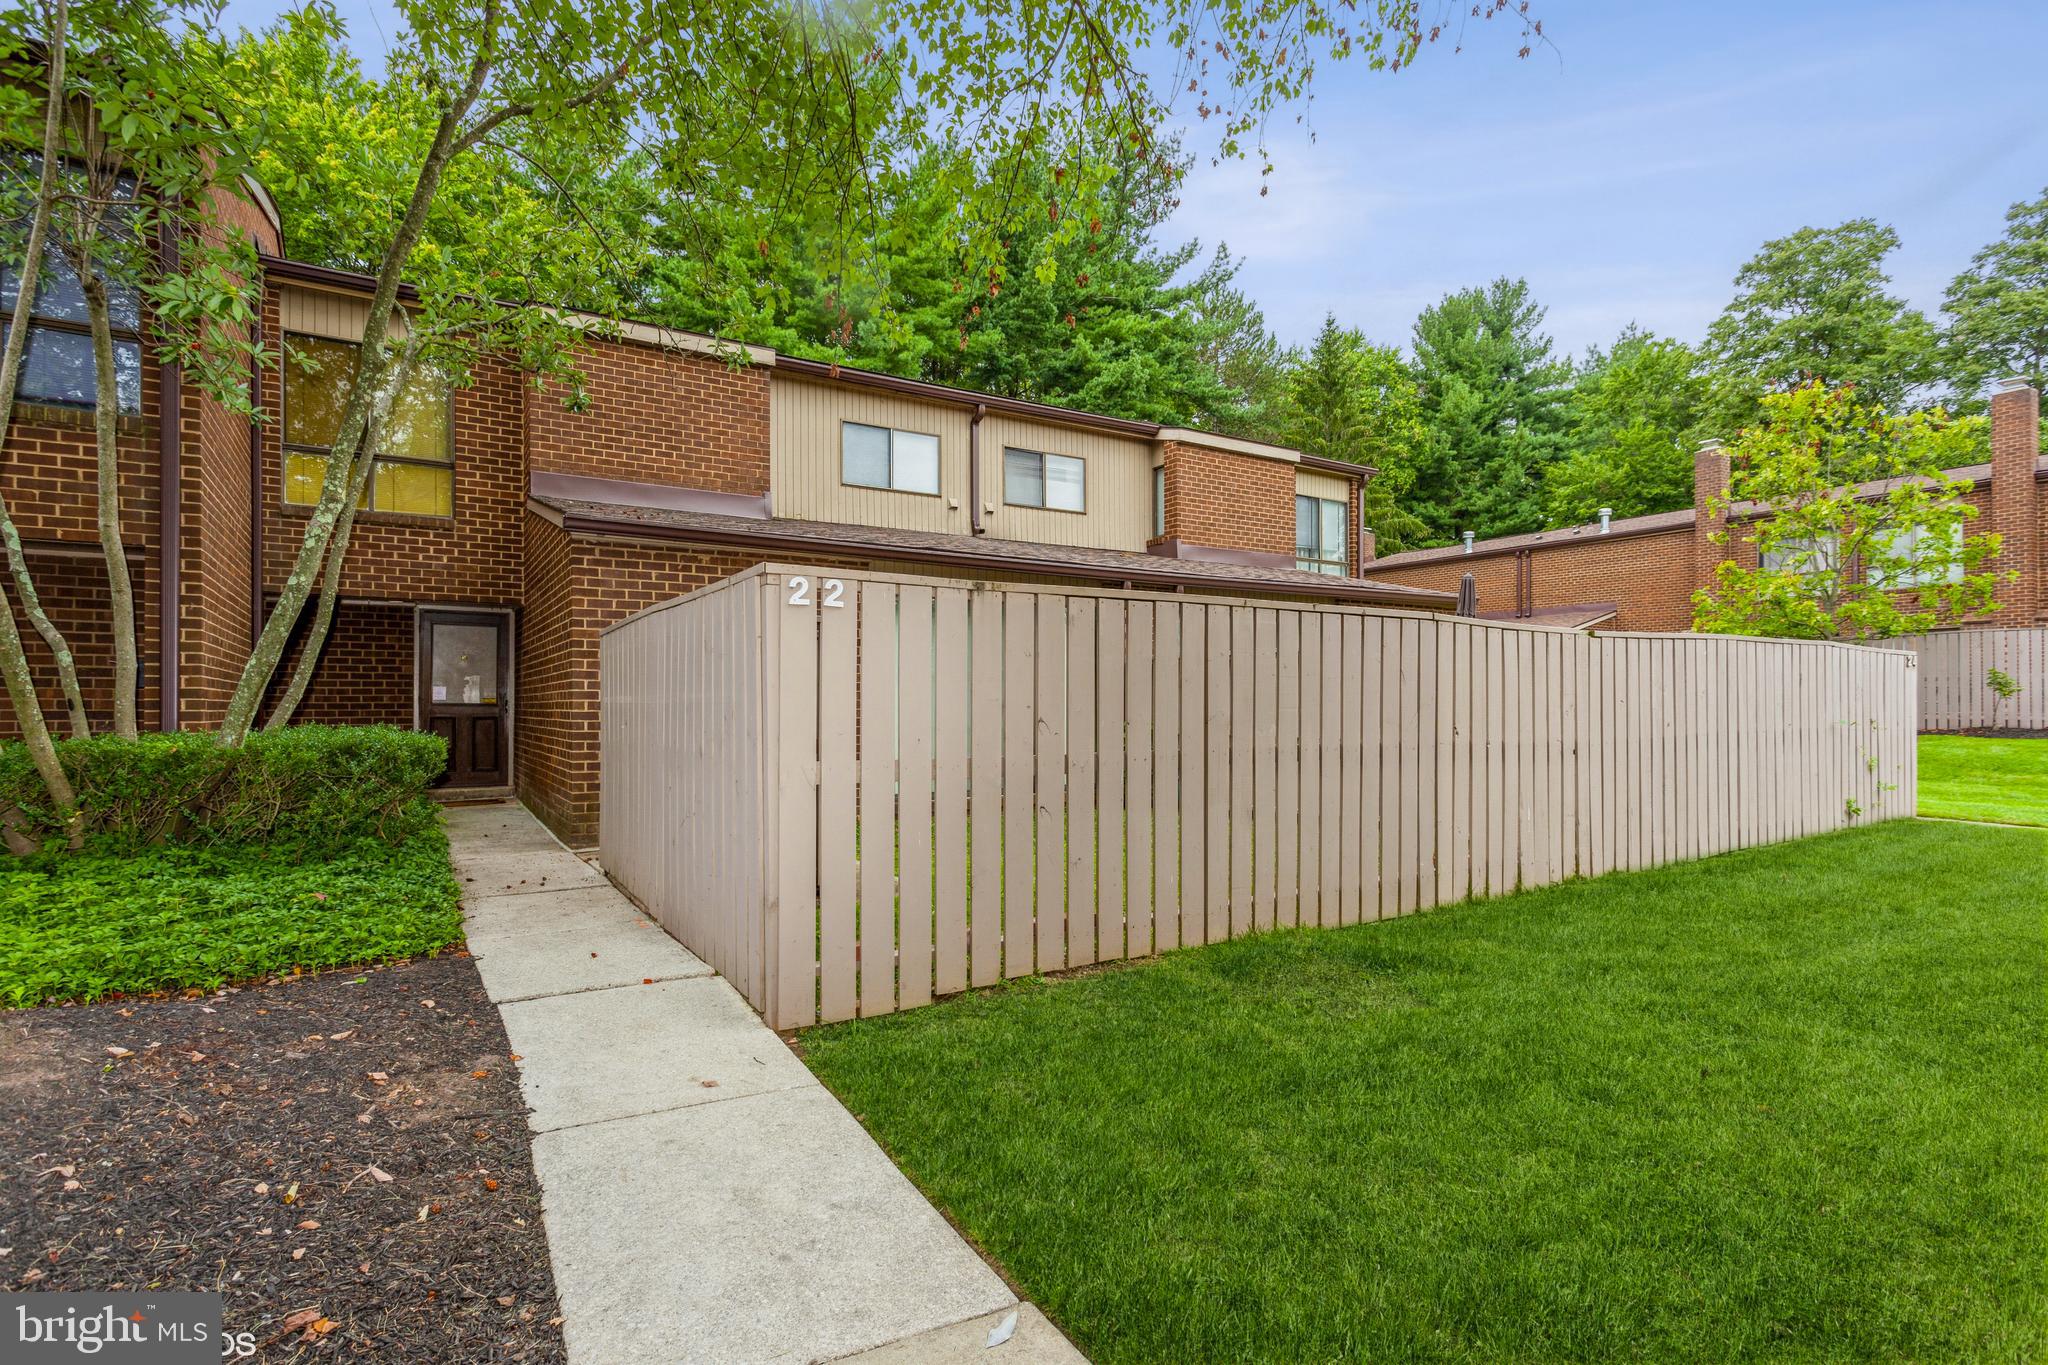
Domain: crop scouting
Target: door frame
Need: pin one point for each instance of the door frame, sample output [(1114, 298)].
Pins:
[(508, 664)]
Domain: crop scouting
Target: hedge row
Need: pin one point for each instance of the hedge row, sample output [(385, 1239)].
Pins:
[(319, 787)]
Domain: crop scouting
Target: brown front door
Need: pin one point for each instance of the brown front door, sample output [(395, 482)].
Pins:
[(464, 667)]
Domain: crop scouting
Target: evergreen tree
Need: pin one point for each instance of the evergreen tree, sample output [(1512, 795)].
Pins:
[(1493, 404), (1347, 399)]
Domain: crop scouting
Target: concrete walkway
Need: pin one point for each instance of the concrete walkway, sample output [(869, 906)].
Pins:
[(706, 1199)]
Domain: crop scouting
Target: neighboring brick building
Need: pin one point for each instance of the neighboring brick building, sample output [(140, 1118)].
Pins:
[(1639, 573), (503, 532)]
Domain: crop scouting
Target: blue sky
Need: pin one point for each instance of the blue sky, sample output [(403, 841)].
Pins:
[(1628, 169)]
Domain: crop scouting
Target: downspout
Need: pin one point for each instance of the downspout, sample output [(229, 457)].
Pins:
[(256, 476), (170, 514), (974, 468)]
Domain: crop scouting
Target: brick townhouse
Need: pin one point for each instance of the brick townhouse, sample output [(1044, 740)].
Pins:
[(1639, 573), (502, 533)]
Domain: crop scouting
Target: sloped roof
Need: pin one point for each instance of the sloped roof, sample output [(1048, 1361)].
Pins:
[(582, 516)]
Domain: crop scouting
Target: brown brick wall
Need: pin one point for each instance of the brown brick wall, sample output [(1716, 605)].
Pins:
[(473, 557), (213, 628), (2014, 509), (657, 416), (365, 675), (1649, 577), (48, 472), (1219, 497)]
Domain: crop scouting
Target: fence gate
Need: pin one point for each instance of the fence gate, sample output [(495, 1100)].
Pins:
[(851, 791)]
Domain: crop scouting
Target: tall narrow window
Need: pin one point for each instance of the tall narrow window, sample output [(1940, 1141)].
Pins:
[(415, 468), (1034, 478), (1319, 535), (882, 457), (1158, 501), (57, 367)]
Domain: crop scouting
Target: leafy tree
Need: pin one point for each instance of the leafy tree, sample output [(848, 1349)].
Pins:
[(1493, 403), (1815, 307), (1999, 307), (1634, 417), (1348, 399), (1861, 533)]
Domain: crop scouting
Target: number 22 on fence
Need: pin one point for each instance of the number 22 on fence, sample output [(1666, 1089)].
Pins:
[(832, 592)]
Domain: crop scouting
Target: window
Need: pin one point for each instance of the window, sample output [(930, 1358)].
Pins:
[(1158, 500), (1033, 478), (1319, 535), (57, 367), (879, 457), (415, 468), (1804, 555), (1908, 546)]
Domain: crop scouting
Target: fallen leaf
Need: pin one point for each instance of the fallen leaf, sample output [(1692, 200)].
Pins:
[(262, 1187), (506, 1300), (72, 1185), (379, 1076), (62, 1170), (298, 1253), (309, 1225), (345, 1033), (423, 1215), (119, 1052), (709, 1085), (516, 1057), (325, 1325), (291, 1195), (647, 981), (363, 1117), (479, 1074), (196, 1056), (380, 1176), (304, 1317), (490, 1184), (428, 1003)]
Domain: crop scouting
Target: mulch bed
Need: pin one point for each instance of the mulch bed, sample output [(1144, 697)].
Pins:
[(344, 1156)]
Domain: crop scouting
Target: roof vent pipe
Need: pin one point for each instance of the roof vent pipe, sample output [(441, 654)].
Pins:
[(1468, 541), (1605, 514)]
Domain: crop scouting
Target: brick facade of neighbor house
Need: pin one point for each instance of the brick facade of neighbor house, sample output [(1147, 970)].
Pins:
[(674, 426), (1223, 498), (1647, 568)]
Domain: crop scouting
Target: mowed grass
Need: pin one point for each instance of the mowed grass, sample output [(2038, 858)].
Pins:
[(1782, 1104), (1965, 777)]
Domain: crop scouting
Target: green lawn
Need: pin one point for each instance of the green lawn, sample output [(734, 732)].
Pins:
[(80, 926), (1964, 777), (1781, 1104)]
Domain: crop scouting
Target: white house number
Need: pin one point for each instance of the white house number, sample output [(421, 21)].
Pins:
[(832, 592)]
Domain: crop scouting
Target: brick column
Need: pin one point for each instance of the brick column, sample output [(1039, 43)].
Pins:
[(1709, 485), (2014, 505)]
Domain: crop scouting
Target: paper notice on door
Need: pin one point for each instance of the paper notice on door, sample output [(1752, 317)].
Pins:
[(440, 692)]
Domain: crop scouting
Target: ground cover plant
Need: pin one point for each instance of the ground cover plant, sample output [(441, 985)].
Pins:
[(1968, 777), (78, 926), (1783, 1103)]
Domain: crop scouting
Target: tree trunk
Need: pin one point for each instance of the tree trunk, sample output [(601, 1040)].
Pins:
[(337, 549), (21, 691), (373, 364), (10, 368), (105, 420)]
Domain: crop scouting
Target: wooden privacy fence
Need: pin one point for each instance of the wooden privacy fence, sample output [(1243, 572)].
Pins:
[(851, 792), (1955, 668)]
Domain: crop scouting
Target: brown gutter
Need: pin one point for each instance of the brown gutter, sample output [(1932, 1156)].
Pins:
[(170, 413), (279, 268), (1342, 468), (769, 538), (964, 398), (974, 468)]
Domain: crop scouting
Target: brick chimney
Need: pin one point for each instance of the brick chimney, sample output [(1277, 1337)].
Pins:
[(1709, 485), (2013, 508)]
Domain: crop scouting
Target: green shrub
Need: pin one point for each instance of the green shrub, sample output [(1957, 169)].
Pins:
[(317, 788)]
